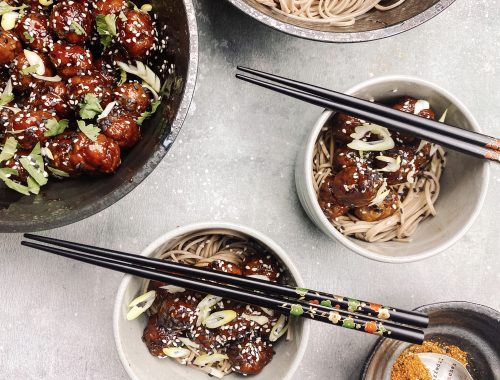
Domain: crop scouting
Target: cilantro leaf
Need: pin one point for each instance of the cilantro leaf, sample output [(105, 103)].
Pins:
[(123, 77), (106, 28), (88, 130), (55, 127), (77, 28), (90, 107), (147, 114), (6, 99), (29, 37), (30, 70), (9, 149)]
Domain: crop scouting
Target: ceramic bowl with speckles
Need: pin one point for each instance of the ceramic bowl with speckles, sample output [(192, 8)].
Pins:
[(463, 184), (141, 365)]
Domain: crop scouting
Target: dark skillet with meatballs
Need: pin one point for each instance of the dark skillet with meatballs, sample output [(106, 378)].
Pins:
[(217, 335), (374, 184), (76, 88)]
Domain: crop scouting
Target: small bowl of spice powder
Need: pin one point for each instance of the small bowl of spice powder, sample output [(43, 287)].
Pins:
[(464, 331)]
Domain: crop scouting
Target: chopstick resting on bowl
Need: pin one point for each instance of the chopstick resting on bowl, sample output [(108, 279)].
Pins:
[(287, 300), (462, 140)]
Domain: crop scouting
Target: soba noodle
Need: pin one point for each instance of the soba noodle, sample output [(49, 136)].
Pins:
[(333, 12), (416, 200), (200, 249)]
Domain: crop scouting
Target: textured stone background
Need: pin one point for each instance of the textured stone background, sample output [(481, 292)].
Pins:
[(234, 161)]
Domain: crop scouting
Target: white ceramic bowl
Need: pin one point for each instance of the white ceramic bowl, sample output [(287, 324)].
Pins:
[(141, 365), (463, 184)]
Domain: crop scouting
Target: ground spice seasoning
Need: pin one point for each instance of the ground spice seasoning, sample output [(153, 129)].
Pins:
[(409, 367)]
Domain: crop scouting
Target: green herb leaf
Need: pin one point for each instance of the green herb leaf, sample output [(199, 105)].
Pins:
[(296, 310), (147, 114), (123, 77), (6, 99), (88, 130), (6, 8), (55, 127), (90, 107), (326, 303), (33, 186), (301, 291), (29, 37), (57, 172), (9, 149), (16, 186), (29, 70), (33, 169), (106, 28), (77, 28)]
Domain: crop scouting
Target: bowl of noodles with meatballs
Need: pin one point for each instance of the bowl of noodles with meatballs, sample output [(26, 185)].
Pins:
[(167, 332), (92, 95), (389, 196)]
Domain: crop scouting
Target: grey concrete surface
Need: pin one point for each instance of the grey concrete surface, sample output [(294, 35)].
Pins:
[(234, 161)]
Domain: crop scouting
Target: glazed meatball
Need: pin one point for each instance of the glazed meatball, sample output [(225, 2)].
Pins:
[(10, 47), (29, 127), (381, 211), (121, 127), (51, 97), (33, 29), (407, 104), (132, 97), (411, 164), (106, 7), (71, 60), (61, 149), (136, 35), (101, 156), (356, 187), (250, 356), (226, 267), (327, 201), (157, 337), (207, 338), (263, 266), (237, 329), (95, 83), (343, 126), (178, 313), (345, 157), (23, 81), (72, 22)]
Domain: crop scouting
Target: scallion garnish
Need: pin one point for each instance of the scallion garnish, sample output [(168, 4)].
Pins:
[(55, 127), (77, 28), (9, 149)]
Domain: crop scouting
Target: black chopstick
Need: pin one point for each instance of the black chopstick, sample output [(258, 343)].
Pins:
[(339, 302), (316, 312), (411, 126)]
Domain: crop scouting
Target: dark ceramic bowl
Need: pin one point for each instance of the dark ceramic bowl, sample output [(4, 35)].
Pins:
[(472, 327), (372, 26), (64, 202)]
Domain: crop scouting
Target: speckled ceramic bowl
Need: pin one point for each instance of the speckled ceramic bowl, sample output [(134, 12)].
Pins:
[(372, 26), (141, 365), (472, 327), (463, 184)]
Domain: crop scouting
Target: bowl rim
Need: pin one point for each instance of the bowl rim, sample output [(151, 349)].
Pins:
[(156, 156), (433, 306), (348, 242), (190, 228), (342, 37)]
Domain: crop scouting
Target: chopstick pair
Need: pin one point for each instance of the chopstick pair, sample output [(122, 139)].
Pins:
[(462, 140), (324, 307)]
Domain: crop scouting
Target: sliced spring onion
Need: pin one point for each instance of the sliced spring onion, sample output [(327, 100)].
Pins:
[(214, 372), (259, 277), (421, 105), (269, 312), (385, 143), (106, 110), (143, 72), (146, 8), (35, 60), (443, 116), (13, 109), (189, 343), (44, 151), (57, 172), (9, 20), (220, 318), (173, 289), (410, 178), (45, 3), (33, 186), (55, 78), (393, 164), (203, 360), (260, 319), (278, 329), (382, 193), (38, 174), (204, 308), (140, 304), (8, 88), (9, 149), (176, 352), (155, 94)]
